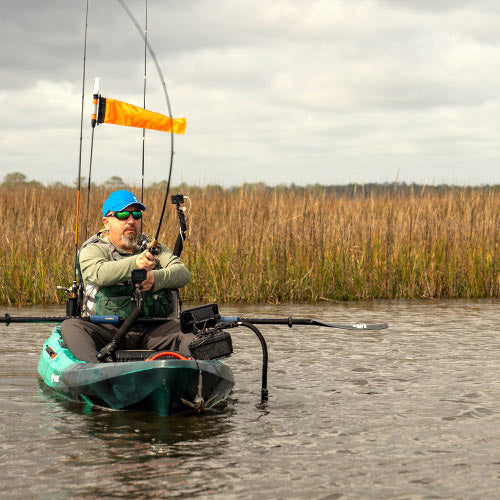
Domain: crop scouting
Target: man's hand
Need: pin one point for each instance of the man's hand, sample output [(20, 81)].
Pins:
[(149, 282), (145, 260)]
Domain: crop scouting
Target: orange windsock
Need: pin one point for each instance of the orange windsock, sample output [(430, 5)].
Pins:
[(128, 115)]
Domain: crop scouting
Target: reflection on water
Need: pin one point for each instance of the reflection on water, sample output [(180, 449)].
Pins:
[(408, 412), (142, 427)]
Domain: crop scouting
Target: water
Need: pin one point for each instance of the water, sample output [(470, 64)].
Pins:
[(408, 412)]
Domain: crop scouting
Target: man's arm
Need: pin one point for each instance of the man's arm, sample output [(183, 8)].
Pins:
[(97, 268), (173, 272)]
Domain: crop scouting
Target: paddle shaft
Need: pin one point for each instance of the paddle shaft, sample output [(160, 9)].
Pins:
[(8, 319), (110, 320), (305, 321), (115, 320)]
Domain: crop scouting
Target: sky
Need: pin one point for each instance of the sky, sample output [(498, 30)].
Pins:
[(281, 92)]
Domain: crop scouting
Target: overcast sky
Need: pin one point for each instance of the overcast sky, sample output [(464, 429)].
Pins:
[(302, 91)]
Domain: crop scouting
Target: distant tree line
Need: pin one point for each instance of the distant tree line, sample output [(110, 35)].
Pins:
[(347, 190)]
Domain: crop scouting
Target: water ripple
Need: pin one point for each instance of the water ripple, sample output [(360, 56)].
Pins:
[(409, 412)]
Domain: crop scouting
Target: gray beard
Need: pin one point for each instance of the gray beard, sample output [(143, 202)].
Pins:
[(132, 243)]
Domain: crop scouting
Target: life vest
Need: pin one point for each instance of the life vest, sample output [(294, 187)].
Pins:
[(118, 299)]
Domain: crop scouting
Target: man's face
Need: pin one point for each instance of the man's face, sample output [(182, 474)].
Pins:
[(124, 234)]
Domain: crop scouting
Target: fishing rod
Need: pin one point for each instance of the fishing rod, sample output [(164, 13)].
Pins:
[(144, 103), (115, 320), (72, 292), (154, 245)]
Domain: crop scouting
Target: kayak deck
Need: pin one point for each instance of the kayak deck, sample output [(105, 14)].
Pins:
[(158, 386)]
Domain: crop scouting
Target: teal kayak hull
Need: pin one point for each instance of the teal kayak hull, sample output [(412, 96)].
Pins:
[(161, 386)]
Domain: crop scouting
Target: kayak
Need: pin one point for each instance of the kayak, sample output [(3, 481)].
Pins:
[(164, 386)]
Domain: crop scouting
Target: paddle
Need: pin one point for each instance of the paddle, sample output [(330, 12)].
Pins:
[(115, 320), (303, 321)]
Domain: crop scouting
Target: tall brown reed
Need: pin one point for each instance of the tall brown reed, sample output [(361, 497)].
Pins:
[(262, 245)]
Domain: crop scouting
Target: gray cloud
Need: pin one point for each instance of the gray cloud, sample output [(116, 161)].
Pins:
[(438, 5), (318, 91)]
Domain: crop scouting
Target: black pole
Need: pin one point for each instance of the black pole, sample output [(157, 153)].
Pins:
[(177, 199), (108, 351), (264, 393)]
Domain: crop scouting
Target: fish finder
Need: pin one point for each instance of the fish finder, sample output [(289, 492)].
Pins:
[(199, 318)]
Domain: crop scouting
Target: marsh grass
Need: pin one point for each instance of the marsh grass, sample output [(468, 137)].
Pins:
[(262, 245)]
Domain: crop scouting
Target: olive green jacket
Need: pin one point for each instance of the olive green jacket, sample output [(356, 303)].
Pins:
[(98, 266)]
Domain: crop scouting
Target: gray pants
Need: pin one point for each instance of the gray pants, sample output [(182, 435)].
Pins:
[(85, 339)]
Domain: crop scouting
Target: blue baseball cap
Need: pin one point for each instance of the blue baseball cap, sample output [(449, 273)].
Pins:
[(119, 200)]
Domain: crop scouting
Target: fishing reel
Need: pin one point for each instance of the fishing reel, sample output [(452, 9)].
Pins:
[(153, 247), (147, 244), (74, 298)]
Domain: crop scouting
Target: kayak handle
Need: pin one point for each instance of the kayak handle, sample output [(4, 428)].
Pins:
[(167, 354)]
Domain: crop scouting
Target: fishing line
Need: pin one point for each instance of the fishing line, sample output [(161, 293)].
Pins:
[(164, 86)]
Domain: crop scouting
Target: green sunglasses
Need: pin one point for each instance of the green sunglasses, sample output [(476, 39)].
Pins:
[(125, 214)]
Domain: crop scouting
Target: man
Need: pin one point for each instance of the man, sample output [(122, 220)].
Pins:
[(106, 261)]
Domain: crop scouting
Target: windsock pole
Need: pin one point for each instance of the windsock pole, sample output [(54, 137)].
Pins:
[(95, 103)]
